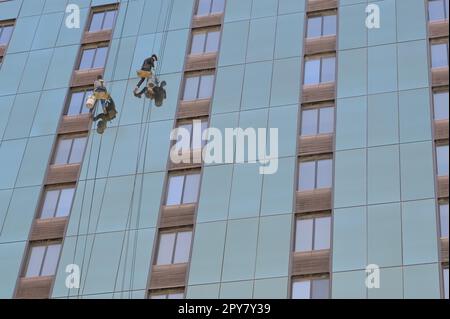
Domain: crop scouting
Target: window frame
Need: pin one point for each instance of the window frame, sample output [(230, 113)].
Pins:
[(445, 284), (442, 202), (317, 107), (439, 145), (175, 231), (41, 243), (190, 121), (183, 173), (438, 91), (320, 57), (166, 293), (211, 5), (60, 188), (445, 5), (205, 31), (7, 24), (104, 10), (71, 92), (310, 279), (313, 217), (95, 46), (321, 15), (199, 75), (315, 159), (436, 42), (72, 137)]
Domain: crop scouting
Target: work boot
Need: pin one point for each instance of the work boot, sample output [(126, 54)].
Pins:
[(101, 126), (135, 92)]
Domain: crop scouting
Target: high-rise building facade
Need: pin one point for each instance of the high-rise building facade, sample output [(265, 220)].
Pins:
[(356, 91)]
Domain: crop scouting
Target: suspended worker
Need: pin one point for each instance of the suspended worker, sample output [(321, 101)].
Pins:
[(155, 92), (145, 73), (100, 93), (109, 114)]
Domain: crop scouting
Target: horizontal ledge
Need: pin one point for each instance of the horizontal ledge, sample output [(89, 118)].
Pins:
[(75, 123), (207, 21), (34, 288), (168, 276), (51, 228), (60, 174)]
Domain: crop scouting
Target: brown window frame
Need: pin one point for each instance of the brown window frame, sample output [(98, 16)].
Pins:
[(172, 230), (68, 136), (40, 243)]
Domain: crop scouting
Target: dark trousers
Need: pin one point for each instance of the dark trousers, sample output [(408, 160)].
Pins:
[(140, 82)]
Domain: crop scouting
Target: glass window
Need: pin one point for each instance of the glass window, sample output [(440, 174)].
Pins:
[(320, 289), (445, 275), (198, 87), (439, 55), (57, 203), (443, 211), (307, 173), (196, 130), (437, 10), (322, 231), (217, 6), (312, 234), (174, 248), (205, 42), (165, 250), (70, 150), (212, 43), (320, 70), (301, 289), (77, 103), (183, 189), (93, 58), (43, 260), (324, 173), (326, 120), (206, 86), (50, 260), (309, 122), (312, 71), (175, 190), (328, 70), (35, 261), (168, 295), (442, 160), (87, 58), (311, 289), (315, 174), (198, 43), (109, 20), (207, 7), (440, 105), (183, 247), (100, 57), (317, 121), (97, 21), (314, 27), (321, 26), (304, 235), (191, 88), (5, 34), (329, 25), (77, 152), (204, 7), (102, 20)]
